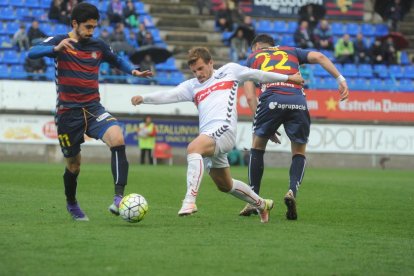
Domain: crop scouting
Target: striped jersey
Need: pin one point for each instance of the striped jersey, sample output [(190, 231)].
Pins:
[(283, 60)]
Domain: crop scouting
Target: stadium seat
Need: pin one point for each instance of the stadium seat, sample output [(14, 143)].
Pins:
[(163, 151), (264, 26), (23, 14), (381, 29), (61, 29), (408, 72), (338, 29), (404, 59), (381, 70), (10, 57), (5, 42), (350, 70), (176, 77), (287, 40), (365, 70), (377, 85), (40, 15), (17, 72), (169, 65), (4, 3), (226, 38), (4, 71), (44, 4), (395, 71), (33, 4), (147, 20), (359, 84), (390, 85), (318, 71), (140, 8), (367, 30), (406, 85), (280, 27), (17, 3), (7, 13), (352, 29), (292, 26), (156, 35)]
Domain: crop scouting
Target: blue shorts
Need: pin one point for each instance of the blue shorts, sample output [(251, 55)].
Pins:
[(291, 111), (73, 124)]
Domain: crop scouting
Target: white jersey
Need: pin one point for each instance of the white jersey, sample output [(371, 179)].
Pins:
[(216, 98)]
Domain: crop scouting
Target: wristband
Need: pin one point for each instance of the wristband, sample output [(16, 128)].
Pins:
[(340, 79)]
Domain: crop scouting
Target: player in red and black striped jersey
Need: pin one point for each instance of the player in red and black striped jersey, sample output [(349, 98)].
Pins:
[(78, 111), (282, 104)]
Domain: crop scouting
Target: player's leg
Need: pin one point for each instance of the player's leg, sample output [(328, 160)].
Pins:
[(224, 182), (201, 146), (142, 161), (114, 138)]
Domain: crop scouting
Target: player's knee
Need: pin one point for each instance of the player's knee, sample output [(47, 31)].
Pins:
[(74, 168)]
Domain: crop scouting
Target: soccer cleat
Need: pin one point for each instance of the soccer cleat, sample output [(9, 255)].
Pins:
[(188, 208), (76, 212), (248, 210), (114, 207), (291, 206), (264, 214)]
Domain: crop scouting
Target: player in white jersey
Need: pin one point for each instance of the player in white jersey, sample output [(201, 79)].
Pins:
[(214, 92)]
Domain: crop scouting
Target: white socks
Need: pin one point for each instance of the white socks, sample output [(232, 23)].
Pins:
[(242, 191), (195, 172)]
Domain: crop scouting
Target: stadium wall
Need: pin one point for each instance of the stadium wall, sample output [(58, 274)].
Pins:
[(27, 131)]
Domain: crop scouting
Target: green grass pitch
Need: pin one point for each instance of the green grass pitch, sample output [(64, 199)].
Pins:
[(351, 222)]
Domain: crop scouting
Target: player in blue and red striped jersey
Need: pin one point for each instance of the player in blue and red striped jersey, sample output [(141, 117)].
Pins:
[(282, 104), (78, 111)]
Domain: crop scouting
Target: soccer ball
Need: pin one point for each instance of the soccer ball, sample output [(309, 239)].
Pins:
[(133, 207)]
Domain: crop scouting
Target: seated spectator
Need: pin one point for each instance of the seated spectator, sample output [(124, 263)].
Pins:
[(394, 14), (390, 53), (308, 14), (56, 10), (105, 36), (34, 34), (224, 21), (302, 36), (376, 52), (323, 36), (130, 15), (361, 54), (344, 50), (118, 40), (35, 67), (147, 64), (239, 46), (20, 39), (132, 39), (115, 12), (66, 10), (148, 39), (201, 4), (142, 32)]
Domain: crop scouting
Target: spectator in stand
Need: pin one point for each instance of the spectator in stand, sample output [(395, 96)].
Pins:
[(248, 23), (66, 10), (132, 39), (148, 39), (20, 39), (308, 14), (105, 36), (118, 40), (390, 53), (115, 11), (130, 15), (147, 64), (34, 34), (344, 50), (142, 32), (224, 21), (239, 47), (377, 52), (323, 36), (394, 14), (201, 4), (361, 54), (56, 10), (35, 67), (302, 36)]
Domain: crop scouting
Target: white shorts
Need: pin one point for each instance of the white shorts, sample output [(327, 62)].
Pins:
[(225, 139)]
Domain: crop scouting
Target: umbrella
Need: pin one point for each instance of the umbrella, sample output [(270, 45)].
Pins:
[(248, 33), (318, 11), (400, 42), (382, 7), (158, 54)]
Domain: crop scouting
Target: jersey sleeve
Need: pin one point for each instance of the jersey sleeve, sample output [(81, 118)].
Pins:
[(115, 60), (180, 93), (45, 48), (250, 60), (244, 73), (302, 55)]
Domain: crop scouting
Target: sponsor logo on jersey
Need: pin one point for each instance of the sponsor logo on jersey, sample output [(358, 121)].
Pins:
[(220, 76), (273, 105), (94, 55)]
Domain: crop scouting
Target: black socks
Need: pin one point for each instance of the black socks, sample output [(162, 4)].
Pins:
[(256, 167), (70, 180), (119, 166), (296, 172)]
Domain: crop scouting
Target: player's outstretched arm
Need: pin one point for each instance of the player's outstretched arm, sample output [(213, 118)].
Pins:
[(142, 74), (317, 57)]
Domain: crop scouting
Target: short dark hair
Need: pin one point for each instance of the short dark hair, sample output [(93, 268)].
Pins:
[(82, 12), (263, 38)]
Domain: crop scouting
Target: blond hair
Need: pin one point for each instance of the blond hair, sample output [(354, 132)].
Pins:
[(198, 52)]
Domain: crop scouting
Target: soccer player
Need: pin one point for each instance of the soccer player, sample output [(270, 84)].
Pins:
[(214, 92), (282, 104), (78, 111)]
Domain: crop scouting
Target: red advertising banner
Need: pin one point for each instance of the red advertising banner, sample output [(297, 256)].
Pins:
[(361, 106)]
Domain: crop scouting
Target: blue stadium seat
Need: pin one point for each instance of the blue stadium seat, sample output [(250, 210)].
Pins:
[(287, 40), (17, 72), (23, 14), (50, 73), (176, 77), (338, 29), (7, 13), (390, 85), (4, 71), (33, 4), (367, 30), (4, 3), (17, 3), (381, 29), (10, 57), (359, 84), (404, 59), (329, 54), (318, 71), (409, 72), (280, 27), (264, 26), (45, 4), (40, 15), (395, 71), (5, 42), (292, 26), (365, 71), (147, 20), (12, 28), (377, 85), (156, 35), (352, 29), (169, 65), (226, 37), (349, 70), (381, 70), (61, 29), (140, 8), (406, 85)]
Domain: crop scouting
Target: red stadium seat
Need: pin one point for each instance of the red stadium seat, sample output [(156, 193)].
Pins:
[(163, 151)]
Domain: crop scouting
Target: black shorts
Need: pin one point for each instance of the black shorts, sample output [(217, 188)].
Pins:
[(291, 111), (73, 124)]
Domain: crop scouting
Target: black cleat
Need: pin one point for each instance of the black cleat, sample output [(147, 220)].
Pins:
[(291, 206)]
